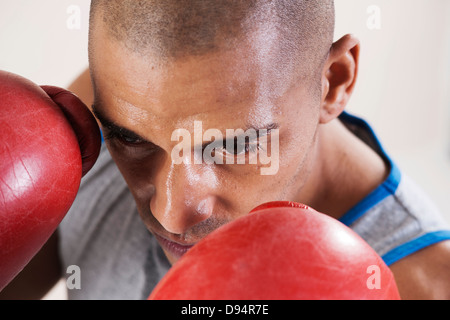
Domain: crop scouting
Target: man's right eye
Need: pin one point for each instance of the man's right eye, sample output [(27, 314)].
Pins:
[(129, 140), (124, 139)]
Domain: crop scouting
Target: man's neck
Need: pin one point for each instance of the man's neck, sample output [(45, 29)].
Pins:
[(345, 171)]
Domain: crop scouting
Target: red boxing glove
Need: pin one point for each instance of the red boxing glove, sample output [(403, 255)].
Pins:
[(41, 165), (82, 122), (282, 251)]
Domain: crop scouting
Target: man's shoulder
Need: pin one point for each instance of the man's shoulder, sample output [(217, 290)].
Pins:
[(425, 274), (102, 203)]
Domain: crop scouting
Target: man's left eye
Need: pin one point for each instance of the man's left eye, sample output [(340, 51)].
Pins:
[(240, 147)]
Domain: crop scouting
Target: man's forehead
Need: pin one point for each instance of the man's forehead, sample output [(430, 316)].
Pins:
[(218, 83), (140, 117)]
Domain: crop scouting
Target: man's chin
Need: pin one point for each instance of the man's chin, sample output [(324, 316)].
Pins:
[(172, 260)]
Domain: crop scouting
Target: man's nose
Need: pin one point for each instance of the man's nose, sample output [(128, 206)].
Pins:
[(184, 196)]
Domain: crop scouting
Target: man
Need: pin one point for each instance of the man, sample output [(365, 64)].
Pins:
[(162, 66)]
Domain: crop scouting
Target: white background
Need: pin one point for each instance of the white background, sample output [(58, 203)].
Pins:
[(402, 91)]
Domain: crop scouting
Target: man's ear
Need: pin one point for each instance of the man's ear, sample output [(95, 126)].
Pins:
[(339, 77)]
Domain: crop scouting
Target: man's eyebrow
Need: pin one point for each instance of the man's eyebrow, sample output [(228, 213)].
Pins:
[(113, 127)]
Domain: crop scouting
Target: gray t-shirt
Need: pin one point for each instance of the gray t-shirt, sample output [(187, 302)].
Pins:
[(119, 259)]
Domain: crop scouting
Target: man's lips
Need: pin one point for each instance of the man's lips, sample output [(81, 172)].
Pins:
[(176, 249)]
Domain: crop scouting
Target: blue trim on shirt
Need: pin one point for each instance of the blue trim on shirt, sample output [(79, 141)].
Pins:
[(387, 188), (415, 245)]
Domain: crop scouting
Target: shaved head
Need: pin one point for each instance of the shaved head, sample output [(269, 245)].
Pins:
[(299, 31)]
